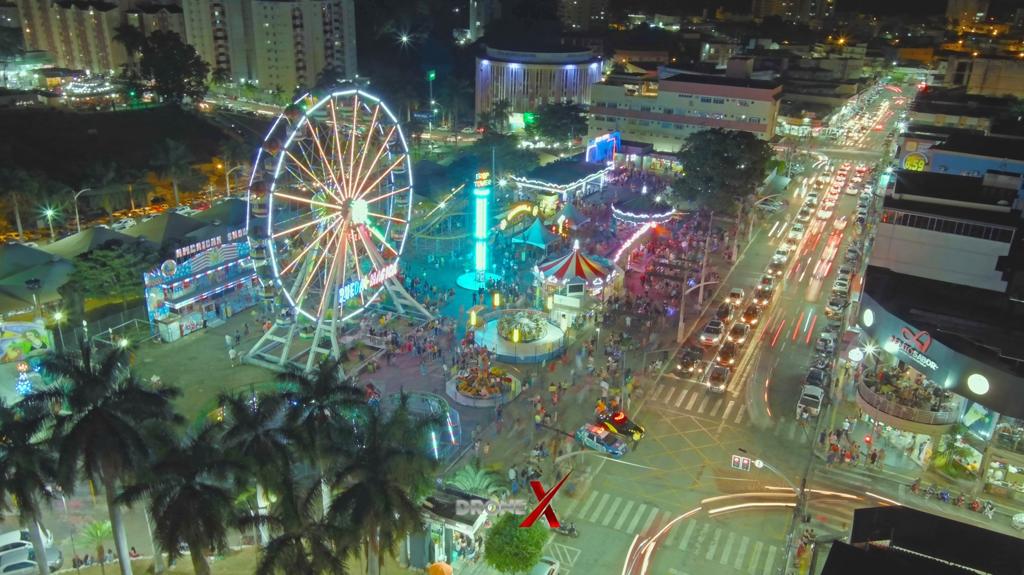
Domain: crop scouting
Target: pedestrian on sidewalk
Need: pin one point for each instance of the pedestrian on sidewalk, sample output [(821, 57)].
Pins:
[(498, 417), (476, 451), (873, 457), (846, 428), (228, 341), (233, 356), (245, 329), (537, 418), (238, 337), (881, 458)]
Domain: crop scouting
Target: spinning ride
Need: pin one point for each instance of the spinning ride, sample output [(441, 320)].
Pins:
[(330, 203)]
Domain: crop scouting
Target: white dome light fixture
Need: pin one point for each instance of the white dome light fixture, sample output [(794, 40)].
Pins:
[(856, 354), (868, 317), (977, 383)]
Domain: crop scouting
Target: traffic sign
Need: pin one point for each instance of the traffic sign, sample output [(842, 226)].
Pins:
[(740, 462), (431, 75)]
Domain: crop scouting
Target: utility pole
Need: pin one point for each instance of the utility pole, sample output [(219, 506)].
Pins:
[(681, 329), (704, 260)]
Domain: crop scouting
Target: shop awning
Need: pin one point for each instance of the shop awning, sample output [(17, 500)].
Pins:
[(570, 214), (574, 267)]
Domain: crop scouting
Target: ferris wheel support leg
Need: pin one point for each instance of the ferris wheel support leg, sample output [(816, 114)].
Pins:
[(405, 303)]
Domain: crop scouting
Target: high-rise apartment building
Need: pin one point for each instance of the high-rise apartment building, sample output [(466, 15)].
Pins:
[(795, 10), (966, 12), (276, 44), (481, 12), (583, 14)]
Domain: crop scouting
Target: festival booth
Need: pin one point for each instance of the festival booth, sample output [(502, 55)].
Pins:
[(537, 236), (569, 218), (571, 285)]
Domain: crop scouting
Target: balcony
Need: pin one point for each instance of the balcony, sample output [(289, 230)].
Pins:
[(893, 412)]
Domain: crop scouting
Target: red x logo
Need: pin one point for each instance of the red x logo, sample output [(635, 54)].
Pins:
[(544, 504)]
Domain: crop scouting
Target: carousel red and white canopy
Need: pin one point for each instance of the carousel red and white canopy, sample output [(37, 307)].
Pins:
[(574, 267)]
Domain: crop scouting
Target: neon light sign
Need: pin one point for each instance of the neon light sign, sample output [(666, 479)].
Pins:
[(481, 199), (370, 280)]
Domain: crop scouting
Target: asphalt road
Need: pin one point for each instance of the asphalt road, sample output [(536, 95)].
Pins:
[(668, 507)]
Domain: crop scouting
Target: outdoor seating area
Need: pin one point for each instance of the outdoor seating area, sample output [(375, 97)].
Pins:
[(910, 389)]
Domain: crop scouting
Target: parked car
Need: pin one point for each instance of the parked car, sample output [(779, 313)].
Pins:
[(546, 565), (818, 378), (712, 333), (811, 400)]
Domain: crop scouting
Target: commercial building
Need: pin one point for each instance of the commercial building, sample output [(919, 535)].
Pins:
[(583, 14), (966, 12), (999, 160), (275, 44), (940, 351), (664, 112), (528, 79), (481, 12), (986, 75)]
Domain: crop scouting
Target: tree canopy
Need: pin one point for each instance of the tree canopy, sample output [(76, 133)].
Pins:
[(176, 70), (559, 122), (721, 168), (513, 549), (114, 270)]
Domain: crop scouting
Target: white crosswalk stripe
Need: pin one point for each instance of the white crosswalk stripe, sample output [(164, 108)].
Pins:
[(657, 391), (693, 400), (742, 553), (728, 409), (600, 506), (752, 565), (624, 515), (650, 519), (668, 396), (682, 396), (611, 511), (714, 408), (739, 414), (710, 555), (687, 534), (588, 503), (703, 404), (636, 518), (724, 559), (770, 560)]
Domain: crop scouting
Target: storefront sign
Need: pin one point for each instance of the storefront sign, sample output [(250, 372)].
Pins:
[(370, 280), (912, 352), (198, 247)]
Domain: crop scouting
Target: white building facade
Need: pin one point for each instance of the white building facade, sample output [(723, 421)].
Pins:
[(529, 79)]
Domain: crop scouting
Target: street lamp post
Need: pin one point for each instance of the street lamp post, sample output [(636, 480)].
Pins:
[(78, 222), (58, 317), (49, 213), (227, 181)]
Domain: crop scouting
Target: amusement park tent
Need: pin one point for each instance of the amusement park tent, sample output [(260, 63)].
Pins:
[(572, 215), (536, 235), (85, 241), (21, 264), (574, 267), (166, 227)]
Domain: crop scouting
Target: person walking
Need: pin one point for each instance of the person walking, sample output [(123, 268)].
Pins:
[(233, 356), (228, 341), (498, 417)]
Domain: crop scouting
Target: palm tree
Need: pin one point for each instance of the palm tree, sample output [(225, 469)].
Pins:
[(99, 414), (456, 91), (132, 39), (173, 161), (27, 468), (303, 540), (384, 474), (233, 153), (318, 406), (17, 183), (96, 535), (501, 111), (189, 496), (256, 431), (472, 479)]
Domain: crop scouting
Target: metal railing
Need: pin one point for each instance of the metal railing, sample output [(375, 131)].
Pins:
[(897, 409)]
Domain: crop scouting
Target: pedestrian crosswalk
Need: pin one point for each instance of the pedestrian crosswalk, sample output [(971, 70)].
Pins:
[(697, 401), (696, 537)]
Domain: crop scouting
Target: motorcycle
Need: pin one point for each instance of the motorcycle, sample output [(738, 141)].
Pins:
[(568, 530), (989, 510), (930, 492), (915, 487), (959, 501), (975, 505), (943, 496)]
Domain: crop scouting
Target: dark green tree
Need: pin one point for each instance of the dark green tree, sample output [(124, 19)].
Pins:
[(508, 156), (173, 161), (301, 539), (114, 270), (383, 475), (174, 67), (189, 493), (255, 429), (133, 40), (560, 121), (500, 112), (513, 549), (99, 415), (28, 467), (722, 168), (15, 185), (321, 413)]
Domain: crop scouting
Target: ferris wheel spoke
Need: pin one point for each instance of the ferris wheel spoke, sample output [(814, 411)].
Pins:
[(312, 244), (359, 271), (316, 270), (369, 138), (338, 150), (391, 168), (296, 228), (331, 271), (387, 195), (310, 201), (305, 169), (380, 152), (325, 162), (353, 139), (386, 217), (382, 240)]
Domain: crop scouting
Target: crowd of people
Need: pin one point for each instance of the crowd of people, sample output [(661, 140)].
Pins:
[(911, 389)]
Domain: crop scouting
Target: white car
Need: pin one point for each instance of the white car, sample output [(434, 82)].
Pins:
[(780, 256), (840, 223), (811, 400), (812, 198), (841, 286), (852, 190), (804, 215), (123, 224), (712, 333), (736, 296), (796, 232), (546, 566), (825, 213)]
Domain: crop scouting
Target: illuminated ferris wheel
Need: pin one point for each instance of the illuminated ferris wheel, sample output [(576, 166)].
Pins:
[(330, 208)]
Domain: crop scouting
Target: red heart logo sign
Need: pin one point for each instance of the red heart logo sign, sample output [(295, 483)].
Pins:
[(922, 339)]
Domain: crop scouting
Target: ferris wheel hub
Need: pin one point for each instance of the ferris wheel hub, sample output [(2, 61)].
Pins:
[(358, 211)]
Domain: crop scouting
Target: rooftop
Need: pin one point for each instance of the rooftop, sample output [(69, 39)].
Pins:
[(725, 81), (982, 324), (564, 172), (987, 146), (967, 189)]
